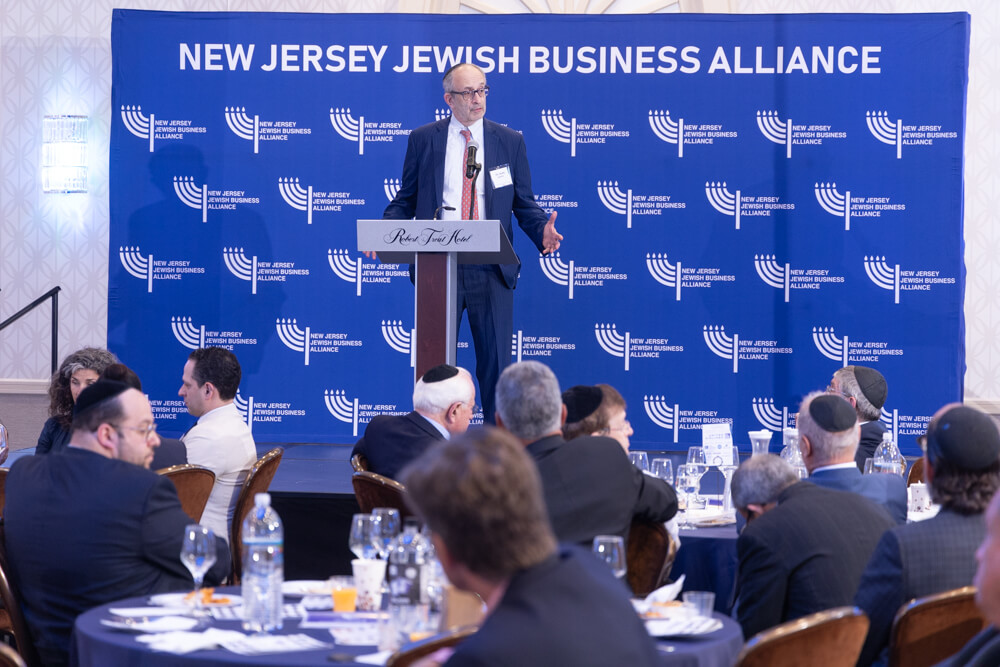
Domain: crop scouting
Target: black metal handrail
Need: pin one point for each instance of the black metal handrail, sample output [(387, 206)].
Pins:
[(51, 294)]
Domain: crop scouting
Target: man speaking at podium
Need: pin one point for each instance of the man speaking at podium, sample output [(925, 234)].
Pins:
[(437, 179)]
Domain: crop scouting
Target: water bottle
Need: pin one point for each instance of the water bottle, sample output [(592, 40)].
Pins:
[(405, 574), (887, 457), (263, 567)]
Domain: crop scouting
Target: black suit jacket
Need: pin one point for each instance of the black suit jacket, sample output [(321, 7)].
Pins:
[(83, 530), (567, 610), (171, 452), (983, 650), (591, 488), (392, 441), (805, 555), (871, 438)]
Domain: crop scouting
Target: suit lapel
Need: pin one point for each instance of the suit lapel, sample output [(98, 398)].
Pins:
[(439, 145), (492, 140)]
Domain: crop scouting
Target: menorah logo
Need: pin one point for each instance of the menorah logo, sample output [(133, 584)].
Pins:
[(186, 333), (292, 336), (192, 195), (557, 128), (664, 272), (722, 200), (890, 420), (557, 270), (139, 124), (833, 202), (243, 126), (727, 347), (343, 408), (344, 267), (613, 342), (829, 345), (773, 273), (391, 187), (516, 346), (348, 127), (296, 196), (139, 266), (882, 274), (667, 130), (441, 114), (662, 413), (240, 266), (768, 415), (400, 338), (245, 406), (615, 200), (886, 131), (773, 128)]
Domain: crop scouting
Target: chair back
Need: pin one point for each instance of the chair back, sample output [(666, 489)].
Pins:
[(258, 480), (3, 488), (649, 556), (411, 653), (373, 490), (359, 462), (832, 638), (10, 658), (932, 628), (916, 473), (194, 486), (12, 604)]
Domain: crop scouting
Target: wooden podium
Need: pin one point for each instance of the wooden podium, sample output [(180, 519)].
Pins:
[(436, 248)]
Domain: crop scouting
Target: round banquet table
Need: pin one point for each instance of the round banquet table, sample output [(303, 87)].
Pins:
[(95, 645), (707, 558)]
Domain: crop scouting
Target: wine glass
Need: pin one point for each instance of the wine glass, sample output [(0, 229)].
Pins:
[(696, 460), (611, 550), (361, 536), (198, 555), (727, 471), (640, 460), (662, 468), (385, 526), (688, 481)]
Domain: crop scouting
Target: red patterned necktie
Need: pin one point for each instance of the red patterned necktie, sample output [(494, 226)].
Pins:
[(467, 184)]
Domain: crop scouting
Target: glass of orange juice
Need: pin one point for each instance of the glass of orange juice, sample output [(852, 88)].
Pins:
[(345, 594)]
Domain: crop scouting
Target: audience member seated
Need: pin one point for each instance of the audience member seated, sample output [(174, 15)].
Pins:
[(866, 390), (93, 524), (829, 455), (77, 371), (804, 547), (171, 451), (443, 402), (220, 440), (481, 496), (591, 488), (962, 468), (597, 410)]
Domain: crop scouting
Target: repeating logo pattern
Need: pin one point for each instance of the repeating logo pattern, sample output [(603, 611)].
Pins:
[(189, 335), (845, 351), (733, 349), (356, 129), (400, 338), (391, 187), (846, 206), (525, 347), (274, 412), (342, 408), (309, 342), (676, 276), (783, 277), (252, 270), (671, 417), (309, 200), (627, 347), (355, 271), (628, 204), (890, 277), (200, 198), (737, 205), (770, 416), (785, 132), (676, 132), (151, 129), (244, 126), (144, 267), (894, 133), (569, 275), (571, 132)]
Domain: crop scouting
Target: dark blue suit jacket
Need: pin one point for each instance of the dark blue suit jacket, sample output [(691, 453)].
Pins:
[(422, 183), (886, 490), (83, 530), (871, 438), (392, 441), (912, 561), (568, 610)]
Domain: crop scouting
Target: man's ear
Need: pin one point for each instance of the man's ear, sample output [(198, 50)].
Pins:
[(805, 447), (499, 421)]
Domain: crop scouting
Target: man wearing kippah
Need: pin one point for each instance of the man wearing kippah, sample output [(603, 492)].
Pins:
[(443, 402), (962, 468), (828, 443), (865, 389), (93, 524)]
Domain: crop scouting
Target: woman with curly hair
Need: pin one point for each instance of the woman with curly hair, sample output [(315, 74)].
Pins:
[(77, 371)]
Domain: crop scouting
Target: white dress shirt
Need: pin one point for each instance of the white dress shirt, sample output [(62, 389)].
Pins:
[(454, 170)]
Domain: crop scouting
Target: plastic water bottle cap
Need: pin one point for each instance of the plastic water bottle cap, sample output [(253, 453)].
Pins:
[(262, 500)]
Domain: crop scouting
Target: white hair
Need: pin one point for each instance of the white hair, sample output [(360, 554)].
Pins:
[(436, 397)]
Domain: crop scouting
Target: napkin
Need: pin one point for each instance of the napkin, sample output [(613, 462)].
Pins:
[(140, 612), (181, 643), (158, 624), (262, 644), (373, 658), (666, 593)]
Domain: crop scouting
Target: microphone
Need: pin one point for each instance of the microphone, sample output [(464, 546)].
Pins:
[(438, 210), (470, 161)]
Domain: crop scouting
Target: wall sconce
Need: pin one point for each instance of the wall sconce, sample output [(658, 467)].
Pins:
[(64, 154)]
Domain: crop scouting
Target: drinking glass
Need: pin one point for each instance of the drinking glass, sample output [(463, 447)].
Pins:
[(696, 462), (3, 443), (663, 469), (198, 555), (639, 459), (688, 481), (361, 536), (611, 550), (385, 526), (727, 471)]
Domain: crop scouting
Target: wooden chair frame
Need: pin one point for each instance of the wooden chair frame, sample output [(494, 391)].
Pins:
[(373, 490), (258, 481), (194, 486), (649, 555), (929, 629), (832, 638), (409, 654), (359, 462)]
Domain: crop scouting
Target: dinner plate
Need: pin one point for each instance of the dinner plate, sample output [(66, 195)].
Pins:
[(181, 600), (161, 624), (148, 612), (305, 587), (711, 521), (682, 627)]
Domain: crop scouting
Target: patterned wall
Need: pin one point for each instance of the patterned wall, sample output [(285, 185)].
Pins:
[(55, 58)]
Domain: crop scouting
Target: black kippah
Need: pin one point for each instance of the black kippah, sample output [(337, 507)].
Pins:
[(439, 373), (98, 392), (964, 437), (832, 413), (581, 401), (872, 385)]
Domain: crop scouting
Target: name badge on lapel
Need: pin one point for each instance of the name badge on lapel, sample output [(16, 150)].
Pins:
[(500, 176)]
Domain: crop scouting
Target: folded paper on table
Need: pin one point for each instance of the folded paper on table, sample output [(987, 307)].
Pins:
[(158, 624)]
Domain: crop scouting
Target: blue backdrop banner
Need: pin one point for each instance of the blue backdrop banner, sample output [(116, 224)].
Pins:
[(748, 202)]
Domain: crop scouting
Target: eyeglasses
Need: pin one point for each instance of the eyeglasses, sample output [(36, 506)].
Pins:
[(145, 431), (471, 94), (626, 425)]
